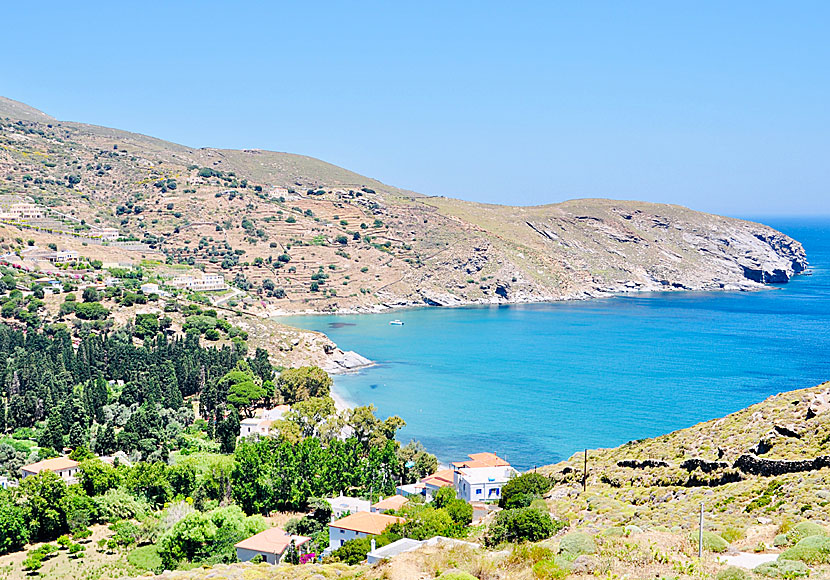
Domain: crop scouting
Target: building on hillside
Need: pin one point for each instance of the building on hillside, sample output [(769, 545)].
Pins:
[(254, 426), (482, 483), (22, 211), (428, 485), (342, 505), (149, 288), (109, 234), (393, 502), (207, 283), (481, 460), (272, 545), (67, 469), (359, 525), (59, 257), (262, 424)]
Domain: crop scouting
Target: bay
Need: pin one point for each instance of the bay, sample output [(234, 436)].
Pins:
[(537, 383)]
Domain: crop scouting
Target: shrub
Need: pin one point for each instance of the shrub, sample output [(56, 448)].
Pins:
[(521, 525), (781, 540), (456, 575), (803, 530), (782, 569), (577, 543), (733, 573), (731, 534), (522, 490), (711, 542), (810, 550), (549, 570)]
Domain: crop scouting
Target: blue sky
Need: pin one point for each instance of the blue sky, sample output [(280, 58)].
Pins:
[(719, 106)]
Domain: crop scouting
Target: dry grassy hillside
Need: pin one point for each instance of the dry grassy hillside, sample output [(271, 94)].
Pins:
[(300, 234)]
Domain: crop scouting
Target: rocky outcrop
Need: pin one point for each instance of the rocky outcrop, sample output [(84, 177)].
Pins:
[(703, 465), (641, 464)]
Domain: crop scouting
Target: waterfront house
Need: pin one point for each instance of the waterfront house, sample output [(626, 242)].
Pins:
[(342, 505), (272, 545), (359, 525), (393, 502), (428, 485), (482, 483), (67, 469)]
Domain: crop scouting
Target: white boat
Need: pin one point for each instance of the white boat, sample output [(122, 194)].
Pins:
[(396, 322)]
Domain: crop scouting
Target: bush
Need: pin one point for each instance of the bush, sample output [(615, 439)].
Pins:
[(576, 544), (810, 550), (711, 542), (521, 525), (804, 530), (456, 575), (733, 573), (782, 569), (549, 570), (522, 490)]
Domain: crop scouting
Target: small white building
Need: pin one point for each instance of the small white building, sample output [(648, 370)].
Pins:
[(359, 525), (272, 545), (207, 283), (64, 467), (149, 288), (254, 426), (262, 424), (482, 483), (342, 505), (108, 233)]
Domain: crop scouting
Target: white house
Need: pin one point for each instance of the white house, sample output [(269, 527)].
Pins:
[(261, 425), (66, 468), (359, 525), (428, 485), (149, 288), (482, 483), (272, 545), (207, 283), (342, 505)]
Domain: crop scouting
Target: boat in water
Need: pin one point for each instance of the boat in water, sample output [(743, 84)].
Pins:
[(396, 322)]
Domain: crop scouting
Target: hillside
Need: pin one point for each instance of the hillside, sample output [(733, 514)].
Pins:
[(298, 234)]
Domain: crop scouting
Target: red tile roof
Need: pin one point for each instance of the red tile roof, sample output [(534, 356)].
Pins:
[(366, 522), (394, 502), (54, 464), (441, 478), (481, 460), (271, 541)]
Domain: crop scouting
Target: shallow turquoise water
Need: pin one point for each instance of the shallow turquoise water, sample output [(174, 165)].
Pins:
[(537, 383)]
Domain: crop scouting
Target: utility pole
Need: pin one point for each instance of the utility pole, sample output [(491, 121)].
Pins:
[(585, 473), (700, 535)]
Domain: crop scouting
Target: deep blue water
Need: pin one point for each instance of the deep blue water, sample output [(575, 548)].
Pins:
[(537, 383)]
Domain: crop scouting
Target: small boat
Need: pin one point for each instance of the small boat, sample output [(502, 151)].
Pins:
[(396, 322)]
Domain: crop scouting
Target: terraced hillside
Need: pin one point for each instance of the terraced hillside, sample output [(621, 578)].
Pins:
[(299, 234)]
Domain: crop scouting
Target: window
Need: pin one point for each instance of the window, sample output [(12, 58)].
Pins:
[(478, 492)]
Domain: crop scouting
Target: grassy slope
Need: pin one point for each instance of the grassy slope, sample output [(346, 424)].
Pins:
[(422, 249)]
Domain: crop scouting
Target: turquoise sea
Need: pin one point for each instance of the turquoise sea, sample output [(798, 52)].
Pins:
[(537, 383)]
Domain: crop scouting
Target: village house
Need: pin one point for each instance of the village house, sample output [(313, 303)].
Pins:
[(393, 502), (359, 525), (262, 424), (207, 283), (428, 485), (342, 505), (272, 545), (482, 483), (22, 211), (67, 469)]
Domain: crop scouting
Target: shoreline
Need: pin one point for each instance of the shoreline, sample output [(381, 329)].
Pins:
[(341, 403)]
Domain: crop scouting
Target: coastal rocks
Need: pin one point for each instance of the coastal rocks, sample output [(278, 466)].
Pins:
[(348, 361)]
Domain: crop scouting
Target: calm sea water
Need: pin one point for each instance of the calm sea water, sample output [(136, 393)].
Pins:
[(537, 383)]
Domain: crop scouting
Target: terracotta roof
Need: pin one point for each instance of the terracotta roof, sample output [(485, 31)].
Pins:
[(393, 502), (366, 522), (271, 541), (54, 464), (441, 478), (481, 460)]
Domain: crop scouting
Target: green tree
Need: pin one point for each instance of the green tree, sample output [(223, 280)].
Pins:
[(44, 506), (243, 387), (302, 383), (523, 489), (521, 525), (14, 533)]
